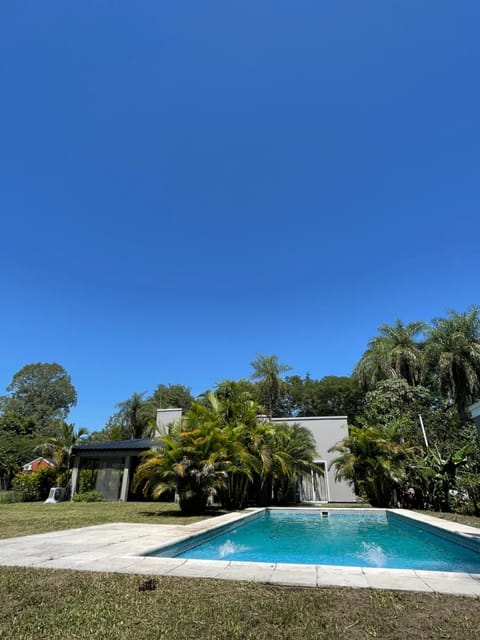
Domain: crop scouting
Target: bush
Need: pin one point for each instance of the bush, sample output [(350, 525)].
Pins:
[(35, 486), (88, 496)]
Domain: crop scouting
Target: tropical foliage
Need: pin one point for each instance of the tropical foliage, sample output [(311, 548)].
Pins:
[(222, 450), (453, 351), (394, 353), (375, 457), (59, 448), (411, 383)]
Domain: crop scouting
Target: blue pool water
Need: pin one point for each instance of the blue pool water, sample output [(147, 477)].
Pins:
[(368, 539)]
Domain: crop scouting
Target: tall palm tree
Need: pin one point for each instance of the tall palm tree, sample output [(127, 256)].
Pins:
[(453, 353), (267, 370), (133, 416), (394, 353)]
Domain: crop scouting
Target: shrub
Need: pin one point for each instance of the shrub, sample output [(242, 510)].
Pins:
[(88, 496), (34, 486)]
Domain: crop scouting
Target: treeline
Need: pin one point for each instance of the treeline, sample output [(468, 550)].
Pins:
[(409, 370)]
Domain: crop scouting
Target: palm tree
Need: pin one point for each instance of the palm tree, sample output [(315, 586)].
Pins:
[(293, 451), (394, 353), (375, 458), (133, 417), (453, 353), (267, 370), (59, 447), (190, 460)]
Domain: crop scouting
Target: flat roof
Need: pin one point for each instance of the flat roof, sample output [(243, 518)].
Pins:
[(135, 444)]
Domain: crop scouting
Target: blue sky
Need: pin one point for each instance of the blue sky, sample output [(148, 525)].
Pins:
[(184, 185)]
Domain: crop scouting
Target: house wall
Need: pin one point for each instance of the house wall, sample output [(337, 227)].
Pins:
[(327, 431), (166, 417), (36, 465), (475, 411)]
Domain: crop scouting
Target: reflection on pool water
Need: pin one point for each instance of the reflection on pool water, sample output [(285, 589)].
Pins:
[(354, 538)]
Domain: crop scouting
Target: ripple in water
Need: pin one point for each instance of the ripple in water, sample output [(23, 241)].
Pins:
[(373, 554), (229, 547)]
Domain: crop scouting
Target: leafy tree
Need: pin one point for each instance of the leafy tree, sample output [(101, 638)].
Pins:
[(394, 353), (14, 423), (15, 451), (168, 396), (267, 370), (112, 431), (395, 399), (330, 396), (453, 355), (42, 392)]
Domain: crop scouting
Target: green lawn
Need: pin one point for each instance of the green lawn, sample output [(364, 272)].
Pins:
[(64, 605), (25, 518), (473, 521)]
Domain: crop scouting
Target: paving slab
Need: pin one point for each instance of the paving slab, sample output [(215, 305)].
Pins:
[(301, 575), (398, 579)]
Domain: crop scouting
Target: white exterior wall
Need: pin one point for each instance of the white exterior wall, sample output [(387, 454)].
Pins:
[(165, 417), (475, 411), (327, 431)]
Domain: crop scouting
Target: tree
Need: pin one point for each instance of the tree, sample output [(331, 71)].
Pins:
[(15, 451), (330, 396), (375, 458), (394, 353), (171, 396), (292, 451), (395, 399), (267, 370), (189, 460), (133, 417), (42, 392), (59, 447), (453, 356)]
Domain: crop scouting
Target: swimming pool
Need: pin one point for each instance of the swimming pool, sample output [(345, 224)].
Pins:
[(343, 538)]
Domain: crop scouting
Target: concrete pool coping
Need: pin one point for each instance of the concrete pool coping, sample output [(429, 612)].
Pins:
[(119, 548)]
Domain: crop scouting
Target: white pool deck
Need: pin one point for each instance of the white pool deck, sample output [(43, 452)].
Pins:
[(119, 547)]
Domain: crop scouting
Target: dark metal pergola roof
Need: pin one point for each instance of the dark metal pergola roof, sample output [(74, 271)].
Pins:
[(139, 444)]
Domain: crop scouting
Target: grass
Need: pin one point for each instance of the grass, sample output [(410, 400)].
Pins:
[(57, 604), (54, 604), (25, 518), (472, 521)]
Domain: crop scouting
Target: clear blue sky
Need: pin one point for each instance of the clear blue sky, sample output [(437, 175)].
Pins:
[(186, 184)]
